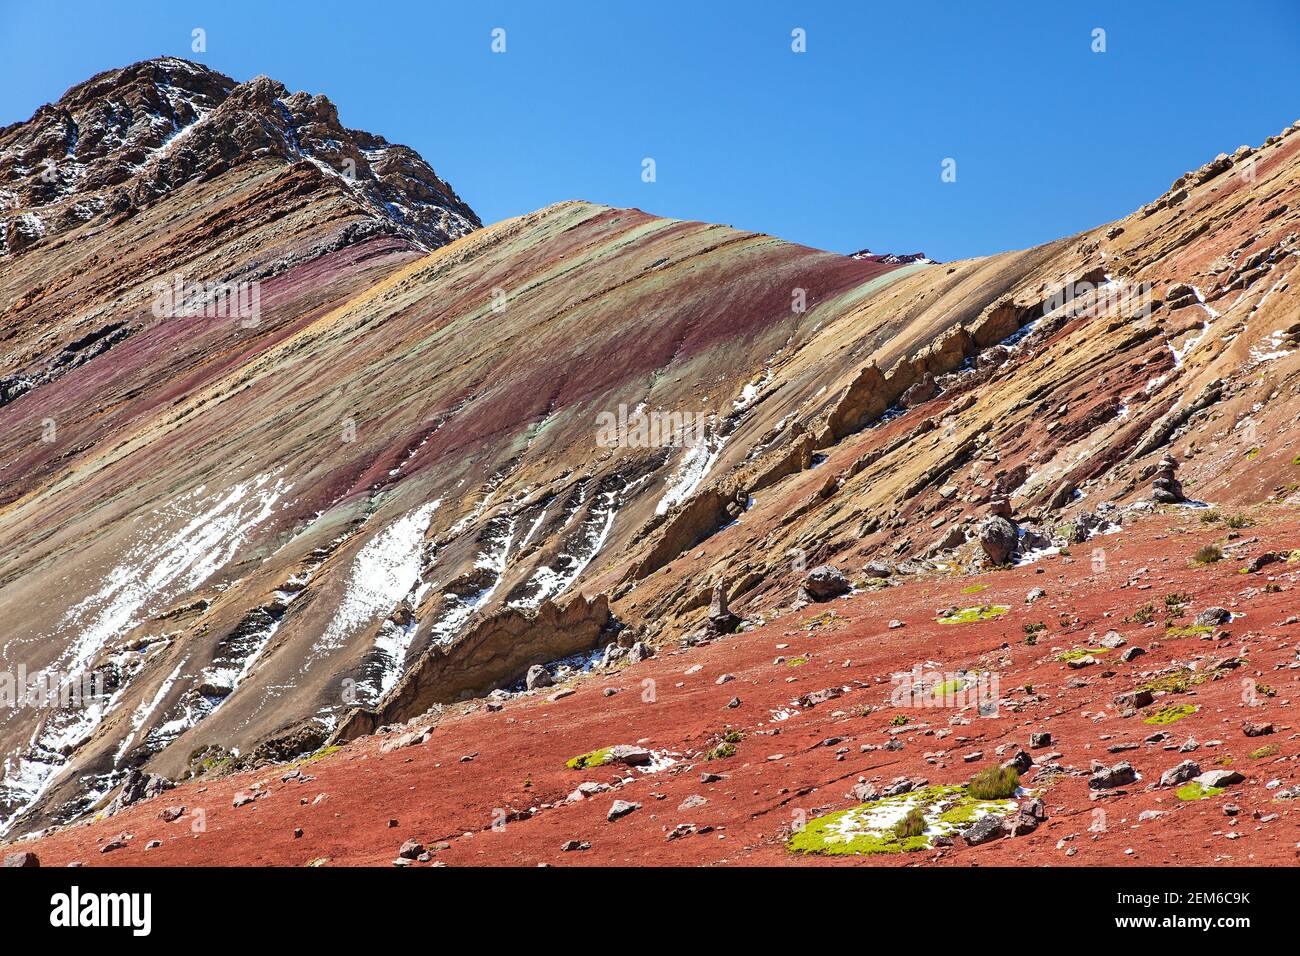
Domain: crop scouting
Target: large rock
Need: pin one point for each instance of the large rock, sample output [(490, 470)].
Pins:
[(538, 676), (1185, 771), (493, 652), (1165, 487), (985, 829), (998, 537), (825, 582), (1119, 775), (1213, 617), (24, 859), (1220, 778), (721, 620), (138, 786)]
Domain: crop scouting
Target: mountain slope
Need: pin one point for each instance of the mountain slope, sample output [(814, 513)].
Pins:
[(389, 492)]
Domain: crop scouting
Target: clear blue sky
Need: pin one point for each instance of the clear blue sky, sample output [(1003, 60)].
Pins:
[(839, 147)]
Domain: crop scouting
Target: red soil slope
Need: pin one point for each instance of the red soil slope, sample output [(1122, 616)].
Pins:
[(477, 767)]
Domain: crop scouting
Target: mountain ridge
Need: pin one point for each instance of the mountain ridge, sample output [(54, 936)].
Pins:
[(264, 530)]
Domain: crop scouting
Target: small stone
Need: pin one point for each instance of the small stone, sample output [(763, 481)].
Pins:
[(410, 850), (621, 808)]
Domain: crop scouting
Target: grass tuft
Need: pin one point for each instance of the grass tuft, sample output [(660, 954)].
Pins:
[(995, 783)]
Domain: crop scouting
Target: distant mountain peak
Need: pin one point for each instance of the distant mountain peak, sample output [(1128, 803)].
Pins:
[(892, 258), (122, 139)]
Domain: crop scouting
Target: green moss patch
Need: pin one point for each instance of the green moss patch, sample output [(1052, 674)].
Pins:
[(1080, 652), (597, 758), (948, 688), (1195, 791), (1170, 714), (968, 615), (901, 824), (974, 588), (722, 751), (1176, 683), (1268, 750), (796, 662), (1191, 630)]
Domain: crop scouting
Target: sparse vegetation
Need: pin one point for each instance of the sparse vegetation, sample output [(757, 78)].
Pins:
[(912, 825), (1268, 750), (1239, 521), (995, 783), (1145, 614), (1176, 683), (898, 720), (968, 615), (1170, 714), (721, 752), (1207, 554)]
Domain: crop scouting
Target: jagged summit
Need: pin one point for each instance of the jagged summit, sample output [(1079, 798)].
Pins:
[(124, 138), (893, 258)]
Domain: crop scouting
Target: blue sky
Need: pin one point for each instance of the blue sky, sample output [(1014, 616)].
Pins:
[(839, 147)]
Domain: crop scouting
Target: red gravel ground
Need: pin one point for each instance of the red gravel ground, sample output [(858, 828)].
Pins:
[(444, 799)]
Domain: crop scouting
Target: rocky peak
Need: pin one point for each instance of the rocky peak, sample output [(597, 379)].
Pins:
[(892, 258), (124, 138)]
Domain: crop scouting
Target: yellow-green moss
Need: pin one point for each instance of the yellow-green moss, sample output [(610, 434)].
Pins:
[(1194, 791), (968, 615), (1191, 630), (1170, 714), (1080, 652), (933, 811), (597, 758)]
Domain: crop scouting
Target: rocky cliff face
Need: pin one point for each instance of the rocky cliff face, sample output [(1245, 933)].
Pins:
[(126, 138), (252, 527)]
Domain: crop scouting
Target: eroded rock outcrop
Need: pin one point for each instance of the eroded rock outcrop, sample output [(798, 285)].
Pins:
[(496, 651)]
